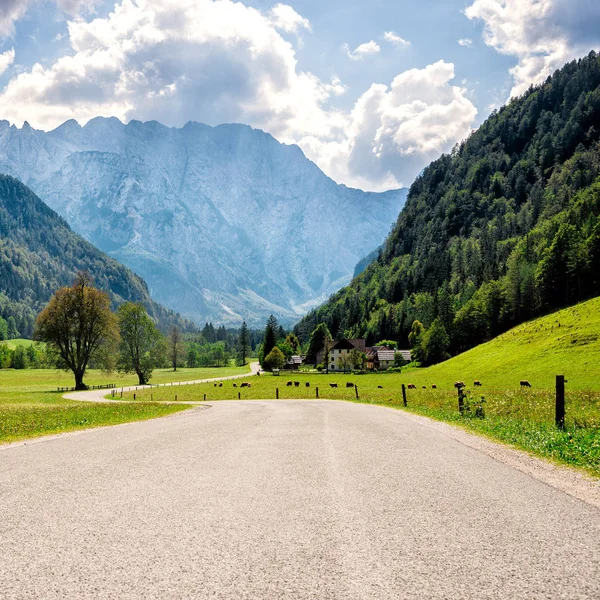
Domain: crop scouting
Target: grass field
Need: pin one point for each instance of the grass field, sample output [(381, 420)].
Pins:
[(12, 344), (566, 343), (30, 406)]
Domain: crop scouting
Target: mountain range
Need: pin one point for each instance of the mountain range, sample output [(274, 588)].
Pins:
[(224, 223), (39, 253)]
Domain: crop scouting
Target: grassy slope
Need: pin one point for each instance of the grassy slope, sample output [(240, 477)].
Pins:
[(30, 406), (564, 343), (12, 344)]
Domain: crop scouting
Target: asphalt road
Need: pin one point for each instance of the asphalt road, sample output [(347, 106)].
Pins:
[(289, 499)]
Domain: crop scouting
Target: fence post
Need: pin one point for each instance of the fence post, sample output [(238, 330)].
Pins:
[(134, 396), (276, 393), (317, 391), (560, 401), (204, 397), (175, 397), (356, 391), (404, 395), (461, 398), (239, 395)]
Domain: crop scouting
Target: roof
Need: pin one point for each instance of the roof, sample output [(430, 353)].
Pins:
[(343, 345), (359, 343), (385, 355), (296, 360), (405, 354)]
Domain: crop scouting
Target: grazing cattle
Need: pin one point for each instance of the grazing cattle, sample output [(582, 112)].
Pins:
[(477, 383), (297, 383), (220, 385), (525, 383), (424, 387), (412, 386), (235, 385), (307, 384), (459, 384), (333, 385), (434, 387), (245, 385), (290, 383), (379, 387), (349, 384), (215, 385)]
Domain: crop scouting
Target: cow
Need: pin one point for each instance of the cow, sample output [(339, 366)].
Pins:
[(459, 385), (333, 385), (412, 386), (245, 384), (297, 383), (220, 385), (477, 383), (434, 387), (525, 383), (215, 385), (235, 385), (379, 387), (307, 384), (424, 387), (290, 383), (349, 384)]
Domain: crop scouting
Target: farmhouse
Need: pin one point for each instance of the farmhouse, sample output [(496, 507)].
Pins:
[(294, 363), (378, 358)]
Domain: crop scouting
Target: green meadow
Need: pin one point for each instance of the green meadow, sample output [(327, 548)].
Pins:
[(30, 405)]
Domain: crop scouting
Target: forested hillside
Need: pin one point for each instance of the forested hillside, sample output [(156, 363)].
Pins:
[(39, 254), (504, 228)]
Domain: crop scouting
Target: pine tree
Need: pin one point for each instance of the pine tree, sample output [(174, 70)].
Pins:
[(244, 344), (270, 337)]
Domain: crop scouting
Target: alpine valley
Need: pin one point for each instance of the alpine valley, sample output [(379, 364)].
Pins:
[(224, 223)]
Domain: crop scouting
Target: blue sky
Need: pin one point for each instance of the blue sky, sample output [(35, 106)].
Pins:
[(371, 91)]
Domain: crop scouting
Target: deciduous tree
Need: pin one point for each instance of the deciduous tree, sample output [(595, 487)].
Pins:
[(142, 345), (77, 324)]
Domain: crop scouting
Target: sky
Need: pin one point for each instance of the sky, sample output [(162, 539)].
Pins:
[(371, 91)]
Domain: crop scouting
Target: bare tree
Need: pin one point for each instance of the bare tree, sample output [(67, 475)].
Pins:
[(176, 348)]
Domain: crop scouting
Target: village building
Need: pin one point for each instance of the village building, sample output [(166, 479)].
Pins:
[(378, 358), (294, 362)]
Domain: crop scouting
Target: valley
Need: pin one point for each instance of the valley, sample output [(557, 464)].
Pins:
[(223, 223)]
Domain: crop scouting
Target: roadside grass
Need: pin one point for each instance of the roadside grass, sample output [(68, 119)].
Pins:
[(34, 420), (30, 406)]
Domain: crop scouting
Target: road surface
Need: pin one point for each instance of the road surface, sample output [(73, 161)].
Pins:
[(285, 499)]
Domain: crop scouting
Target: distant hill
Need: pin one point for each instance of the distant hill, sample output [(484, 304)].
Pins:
[(39, 254), (566, 342), (224, 223), (503, 229)]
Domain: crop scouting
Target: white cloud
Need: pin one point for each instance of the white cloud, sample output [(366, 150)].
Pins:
[(541, 34), (221, 61), (284, 17), (466, 42), (394, 38), (11, 11), (363, 50), (393, 132), (6, 59)]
